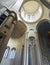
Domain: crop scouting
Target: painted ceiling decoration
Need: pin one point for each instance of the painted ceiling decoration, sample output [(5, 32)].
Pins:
[(46, 3), (31, 13)]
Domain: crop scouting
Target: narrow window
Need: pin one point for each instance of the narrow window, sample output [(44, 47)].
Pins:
[(12, 53), (6, 52)]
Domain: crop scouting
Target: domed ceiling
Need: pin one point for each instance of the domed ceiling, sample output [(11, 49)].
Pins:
[(31, 13)]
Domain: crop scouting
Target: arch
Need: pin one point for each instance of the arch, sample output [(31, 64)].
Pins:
[(43, 29)]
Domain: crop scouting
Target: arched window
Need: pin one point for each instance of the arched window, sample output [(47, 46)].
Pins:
[(12, 53), (6, 52)]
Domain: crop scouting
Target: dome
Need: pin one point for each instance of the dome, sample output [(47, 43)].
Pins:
[(31, 13)]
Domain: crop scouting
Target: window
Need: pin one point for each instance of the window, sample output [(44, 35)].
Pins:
[(6, 52), (8, 3), (12, 53)]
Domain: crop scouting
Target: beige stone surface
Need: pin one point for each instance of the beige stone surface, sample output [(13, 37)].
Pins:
[(17, 43)]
